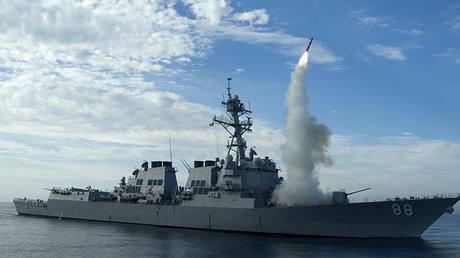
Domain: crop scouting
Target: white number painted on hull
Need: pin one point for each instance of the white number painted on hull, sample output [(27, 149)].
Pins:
[(406, 207), (397, 209), (408, 210)]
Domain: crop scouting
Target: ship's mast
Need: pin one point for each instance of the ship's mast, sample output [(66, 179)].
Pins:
[(235, 109)]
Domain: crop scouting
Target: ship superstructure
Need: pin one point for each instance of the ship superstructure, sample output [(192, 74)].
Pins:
[(213, 183), (233, 193)]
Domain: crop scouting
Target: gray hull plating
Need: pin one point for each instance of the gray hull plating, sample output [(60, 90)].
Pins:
[(373, 219)]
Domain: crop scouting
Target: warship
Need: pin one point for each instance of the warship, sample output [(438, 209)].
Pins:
[(235, 194)]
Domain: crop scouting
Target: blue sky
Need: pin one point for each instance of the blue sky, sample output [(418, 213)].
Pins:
[(89, 89)]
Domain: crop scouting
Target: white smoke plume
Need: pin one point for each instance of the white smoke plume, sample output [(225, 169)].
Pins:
[(306, 145)]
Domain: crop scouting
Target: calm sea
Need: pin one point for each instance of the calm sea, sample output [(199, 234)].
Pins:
[(24, 236)]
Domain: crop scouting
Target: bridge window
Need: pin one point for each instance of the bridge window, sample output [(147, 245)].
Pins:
[(150, 182), (133, 189), (155, 182), (203, 183), (139, 181), (193, 183), (160, 181)]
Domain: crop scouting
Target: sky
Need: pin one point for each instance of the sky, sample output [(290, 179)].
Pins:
[(90, 89)]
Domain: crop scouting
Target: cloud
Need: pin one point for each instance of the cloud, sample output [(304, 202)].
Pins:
[(258, 16), (451, 53), (366, 20), (387, 52), (238, 71), (335, 112), (363, 57), (285, 43), (125, 38), (95, 121), (211, 10), (455, 23), (92, 108), (323, 55), (393, 165), (412, 32)]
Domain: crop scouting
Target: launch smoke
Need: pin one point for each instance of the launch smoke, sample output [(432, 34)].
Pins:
[(306, 145)]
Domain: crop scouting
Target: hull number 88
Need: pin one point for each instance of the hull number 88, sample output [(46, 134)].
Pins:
[(406, 209)]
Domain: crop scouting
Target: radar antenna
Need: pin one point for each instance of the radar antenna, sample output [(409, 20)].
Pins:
[(228, 88)]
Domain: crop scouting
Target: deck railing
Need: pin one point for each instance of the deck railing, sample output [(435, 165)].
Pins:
[(30, 202), (403, 198), (378, 199)]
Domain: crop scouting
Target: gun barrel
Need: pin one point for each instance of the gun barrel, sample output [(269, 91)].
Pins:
[(359, 191)]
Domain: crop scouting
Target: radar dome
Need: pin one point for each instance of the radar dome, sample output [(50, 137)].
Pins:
[(228, 158)]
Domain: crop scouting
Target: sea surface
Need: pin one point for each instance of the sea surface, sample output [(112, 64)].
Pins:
[(26, 236)]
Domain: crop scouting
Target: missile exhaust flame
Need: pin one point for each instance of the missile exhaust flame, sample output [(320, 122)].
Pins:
[(304, 58)]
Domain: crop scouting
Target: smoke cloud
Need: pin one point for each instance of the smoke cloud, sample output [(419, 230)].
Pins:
[(306, 145)]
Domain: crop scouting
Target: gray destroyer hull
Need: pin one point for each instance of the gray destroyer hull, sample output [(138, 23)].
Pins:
[(405, 218), (235, 194)]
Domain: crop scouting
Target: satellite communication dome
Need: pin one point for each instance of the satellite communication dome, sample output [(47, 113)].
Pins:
[(228, 158)]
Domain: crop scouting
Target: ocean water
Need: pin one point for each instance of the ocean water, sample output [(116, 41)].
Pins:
[(26, 236)]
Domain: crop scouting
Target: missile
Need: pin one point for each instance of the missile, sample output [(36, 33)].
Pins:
[(309, 44)]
